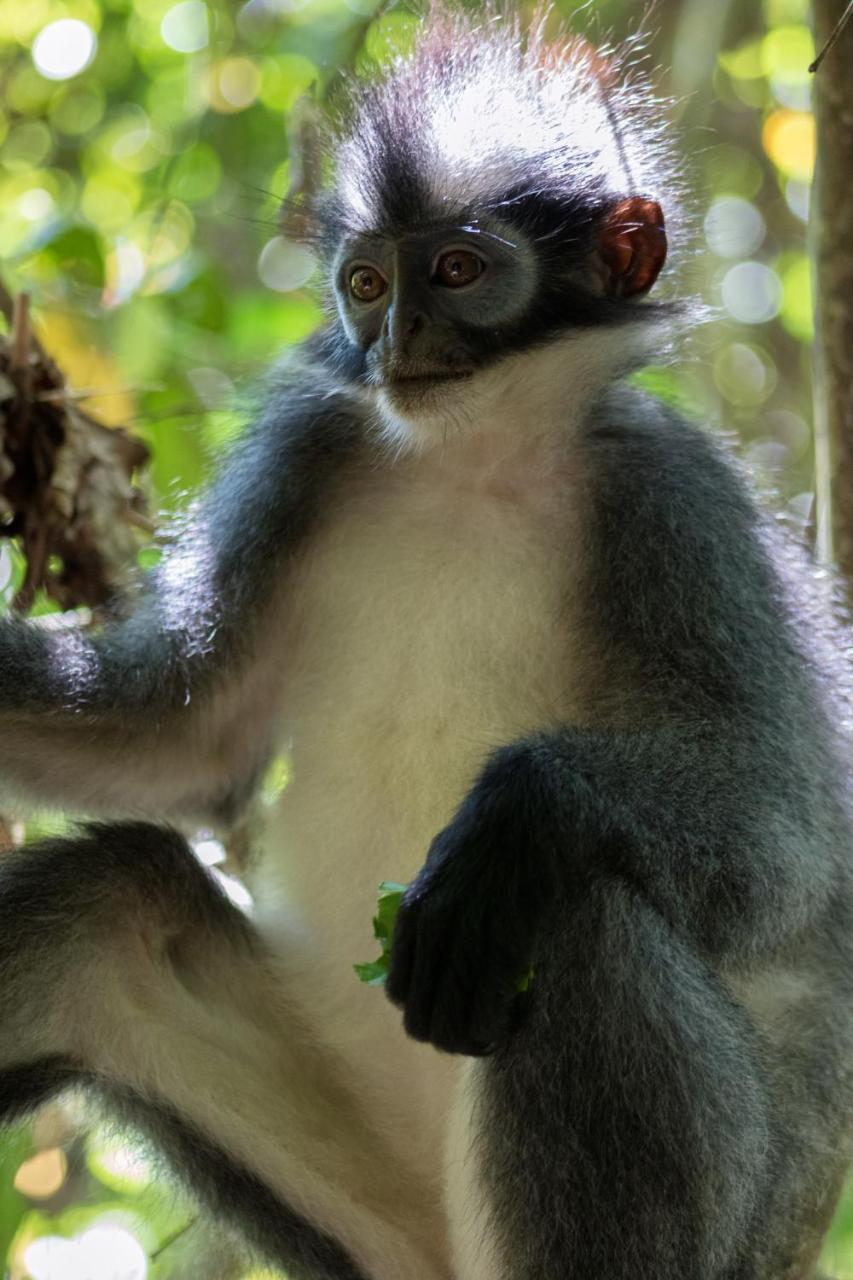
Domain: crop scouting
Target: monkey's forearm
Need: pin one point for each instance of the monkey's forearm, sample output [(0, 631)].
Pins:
[(169, 712), (694, 821), (126, 722), (99, 765), (687, 826)]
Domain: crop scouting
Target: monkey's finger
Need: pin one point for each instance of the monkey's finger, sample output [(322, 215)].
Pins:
[(429, 981), (485, 1002)]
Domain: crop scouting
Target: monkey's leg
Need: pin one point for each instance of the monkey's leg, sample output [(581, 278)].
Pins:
[(623, 1132), (123, 967)]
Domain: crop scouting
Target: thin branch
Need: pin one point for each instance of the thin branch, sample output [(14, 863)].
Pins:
[(172, 1239), (21, 333), (839, 27)]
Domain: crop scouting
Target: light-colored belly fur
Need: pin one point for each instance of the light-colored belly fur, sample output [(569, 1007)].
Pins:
[(429, 624)]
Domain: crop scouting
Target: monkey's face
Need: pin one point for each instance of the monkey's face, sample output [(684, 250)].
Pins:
[(432, 309), (489, 206), (442, 313)]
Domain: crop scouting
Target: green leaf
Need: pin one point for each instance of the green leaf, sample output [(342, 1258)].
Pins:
[(374, 972), (79, 254), (390, 897), (17, 1146)]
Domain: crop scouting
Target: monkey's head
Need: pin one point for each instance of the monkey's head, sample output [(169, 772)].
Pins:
[(496, 220)]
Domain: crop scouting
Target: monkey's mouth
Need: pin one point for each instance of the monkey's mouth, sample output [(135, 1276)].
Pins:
[(405, 382)]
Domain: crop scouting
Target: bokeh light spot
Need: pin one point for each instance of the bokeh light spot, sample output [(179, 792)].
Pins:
[(798, 198), (125, 272), (117, 1165), (752, 293), (28, 145), (185, 27), (110, 198), (791, 430), (744, 375), (195, 174), (36, 204), (78, 110), (209, 851), (233, 84), (786, 53), (52, 1258), (285, 79), (7, 567), (63, 49), (43, 1174), (234, 889), (734, 228), (788, 137), (284, 266)]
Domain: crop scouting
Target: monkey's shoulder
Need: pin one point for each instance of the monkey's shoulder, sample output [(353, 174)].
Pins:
[(670, 490)]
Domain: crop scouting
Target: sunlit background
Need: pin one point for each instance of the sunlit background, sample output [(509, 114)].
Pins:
[(144, 147)]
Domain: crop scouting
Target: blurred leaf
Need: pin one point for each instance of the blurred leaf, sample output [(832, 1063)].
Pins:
[(16, 1147), (258, 323), (78, 255), (786, 52), (744, 62), (195, 174), (389, 37), (732, 170), (795, 273)]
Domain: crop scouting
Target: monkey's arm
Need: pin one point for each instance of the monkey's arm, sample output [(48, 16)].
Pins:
[(704, 779), (168, 712)]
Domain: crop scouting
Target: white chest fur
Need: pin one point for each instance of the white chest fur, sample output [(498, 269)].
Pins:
[(430, 624)]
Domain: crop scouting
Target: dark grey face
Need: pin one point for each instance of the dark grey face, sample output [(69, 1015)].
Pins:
[(426, 306)]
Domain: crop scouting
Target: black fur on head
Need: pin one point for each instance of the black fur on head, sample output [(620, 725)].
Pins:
[(487, 119)]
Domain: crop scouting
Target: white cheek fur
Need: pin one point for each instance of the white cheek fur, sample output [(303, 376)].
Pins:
[(527, 391)]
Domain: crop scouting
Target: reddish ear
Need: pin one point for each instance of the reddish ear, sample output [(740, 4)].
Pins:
[(632, 245)]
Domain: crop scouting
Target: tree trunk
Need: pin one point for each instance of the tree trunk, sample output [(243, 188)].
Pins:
[(832, 230)]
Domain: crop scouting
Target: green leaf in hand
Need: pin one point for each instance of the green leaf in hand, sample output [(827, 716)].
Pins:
[(375, 972)]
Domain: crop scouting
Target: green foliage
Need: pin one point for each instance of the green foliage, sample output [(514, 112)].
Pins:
[(375, 972), (142, 158)]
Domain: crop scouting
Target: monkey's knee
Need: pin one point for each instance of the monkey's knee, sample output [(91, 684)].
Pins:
[(86, 923), (630, 1108)]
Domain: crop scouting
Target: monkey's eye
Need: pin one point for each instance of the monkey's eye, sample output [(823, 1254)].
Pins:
[(367, 283), (458, 267)]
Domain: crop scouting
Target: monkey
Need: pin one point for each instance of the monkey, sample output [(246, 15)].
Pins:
[(529, 645)]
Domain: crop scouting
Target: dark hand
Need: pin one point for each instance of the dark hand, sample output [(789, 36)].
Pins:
[(465, 932)]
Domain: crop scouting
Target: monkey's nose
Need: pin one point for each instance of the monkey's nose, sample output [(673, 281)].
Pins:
[(402, 325)]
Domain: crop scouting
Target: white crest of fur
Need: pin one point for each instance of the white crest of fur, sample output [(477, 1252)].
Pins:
[(488, 108)]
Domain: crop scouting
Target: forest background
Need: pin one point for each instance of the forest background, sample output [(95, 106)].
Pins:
[(144, 148)]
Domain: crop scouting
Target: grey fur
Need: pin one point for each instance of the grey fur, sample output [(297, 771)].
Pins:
[(671, 1099)]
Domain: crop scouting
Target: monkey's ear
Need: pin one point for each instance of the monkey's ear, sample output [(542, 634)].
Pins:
[(631, 247), (305, 137)]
